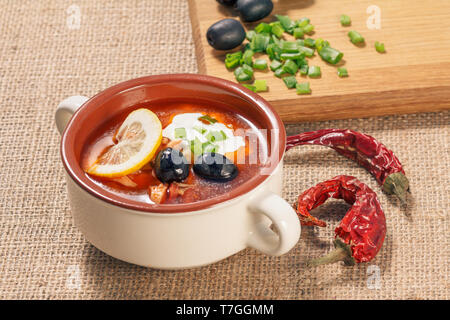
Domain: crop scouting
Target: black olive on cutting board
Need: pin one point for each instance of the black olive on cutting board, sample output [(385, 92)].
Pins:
[(171, 165), (225, 34), (227, 2), (253, 10), (215, 166)]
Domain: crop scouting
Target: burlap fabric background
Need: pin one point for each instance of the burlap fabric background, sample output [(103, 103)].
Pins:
[(43, 256)]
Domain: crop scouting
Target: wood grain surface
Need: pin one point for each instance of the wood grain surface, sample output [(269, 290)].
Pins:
[(413, 76)]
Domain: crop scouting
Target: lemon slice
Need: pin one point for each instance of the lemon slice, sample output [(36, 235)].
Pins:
[(138, 139)]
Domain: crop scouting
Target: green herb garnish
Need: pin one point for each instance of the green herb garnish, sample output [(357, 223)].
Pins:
[(298, 33), (277, 29), (308, 28), (304, 69), (247, 57), (180, 133), (275, 65), (380, 47), (342, 72), (303, 88), (355, 37), (290, 66), (263, 28), (303, 22), (330, 55), (310, 42), (200, 129), (286, 23), (207, 119), (260, 85), (314, 72), (345, 20), (196, 146), (290, 81), (260, 64), (214, 136)]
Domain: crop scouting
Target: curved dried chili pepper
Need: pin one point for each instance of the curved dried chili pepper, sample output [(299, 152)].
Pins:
[(361, 232), (365, 150)]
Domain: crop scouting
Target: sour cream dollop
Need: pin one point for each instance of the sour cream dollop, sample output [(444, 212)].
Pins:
[(196, 130)]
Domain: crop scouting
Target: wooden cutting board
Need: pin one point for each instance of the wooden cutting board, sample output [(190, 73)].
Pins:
[(413, 76)]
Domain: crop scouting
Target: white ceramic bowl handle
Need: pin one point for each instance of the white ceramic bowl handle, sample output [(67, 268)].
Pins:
[(285, 220), (66, 109)]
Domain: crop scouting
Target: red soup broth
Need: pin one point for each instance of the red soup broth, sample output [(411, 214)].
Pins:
[(195, 188)]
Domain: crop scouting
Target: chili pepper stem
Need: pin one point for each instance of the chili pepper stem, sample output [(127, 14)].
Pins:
[(396, 183), (341, 253)]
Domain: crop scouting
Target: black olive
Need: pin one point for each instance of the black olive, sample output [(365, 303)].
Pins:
[(171, 165), (225, 34), (215, 166), (227, 2), (253, 10)]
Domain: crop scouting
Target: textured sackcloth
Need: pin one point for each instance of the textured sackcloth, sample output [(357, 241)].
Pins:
[(42, 254)]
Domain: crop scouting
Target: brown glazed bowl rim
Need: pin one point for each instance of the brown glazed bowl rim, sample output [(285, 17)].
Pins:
[(77, 174)]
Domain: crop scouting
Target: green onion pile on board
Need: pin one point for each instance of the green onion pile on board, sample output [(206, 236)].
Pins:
[(287, 58)]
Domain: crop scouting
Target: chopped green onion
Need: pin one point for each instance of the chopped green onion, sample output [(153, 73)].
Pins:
[(248, 70), (200, 129), (300, 42), (304, 69), (277, 29), (263, 28), (249, 86), (289, 47), (216, 136), (275, 65), (308, 28), (345, 20), (290, 81), (298, 33), (196, 146), (330, 55), (259, 42), (292, 56), (247, 57), (241, 75), (208, 147), (320, 43), (276, 41), (310, 42), (234, 55), (273, 51), (260, 85), (286, 23), (355, 37), (379, 47), (301, 62), (314, 72), (306, 51), (260, 64), (232, 60), (303, 22), (180, 133), (207, 119), (232, 63), (250, 34), (342, 72), (290, 66), (280, 71), (303, 88)]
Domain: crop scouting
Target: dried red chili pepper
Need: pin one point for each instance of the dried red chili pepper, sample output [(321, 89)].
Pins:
[(361, 232), (365, 150)]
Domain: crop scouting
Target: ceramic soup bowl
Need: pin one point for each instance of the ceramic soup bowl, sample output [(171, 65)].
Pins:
[(174, 236)]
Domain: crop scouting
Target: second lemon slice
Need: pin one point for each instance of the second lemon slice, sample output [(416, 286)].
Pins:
[(138, 139)]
